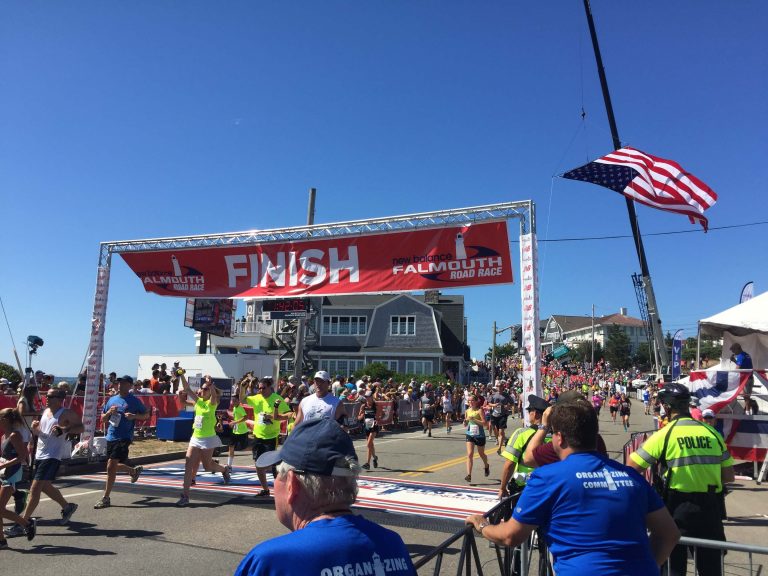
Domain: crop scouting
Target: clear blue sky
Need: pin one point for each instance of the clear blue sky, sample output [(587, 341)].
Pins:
[(123, 120)]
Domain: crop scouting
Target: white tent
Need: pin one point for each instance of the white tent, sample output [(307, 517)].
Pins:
[(746, 324)]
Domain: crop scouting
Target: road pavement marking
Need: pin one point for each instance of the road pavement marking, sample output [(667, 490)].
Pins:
[(66, 496), (439, 466)]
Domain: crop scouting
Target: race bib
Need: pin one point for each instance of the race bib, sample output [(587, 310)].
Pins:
[(474, 430), (115, 418), (370, 422), (263, 418), (198, 423), (496, 412)]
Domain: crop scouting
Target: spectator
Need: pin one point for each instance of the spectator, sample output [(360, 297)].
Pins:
[(315, 486), (594, 510)]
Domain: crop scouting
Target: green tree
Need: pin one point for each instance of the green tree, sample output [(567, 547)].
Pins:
[(582, 351), (617, 348), (502, 351), (376, 370), (642, 358), (9, 372)]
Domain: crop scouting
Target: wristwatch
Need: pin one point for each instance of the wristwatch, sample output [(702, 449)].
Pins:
[(482, 525), (546, 429)]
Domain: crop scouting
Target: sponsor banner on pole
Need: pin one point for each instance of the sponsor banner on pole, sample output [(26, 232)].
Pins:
[(677, 353), (434, 258), (93, 360), (529, 290), (747, 292)]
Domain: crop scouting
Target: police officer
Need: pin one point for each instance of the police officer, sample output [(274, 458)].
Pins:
[(694, 465), (515, 473)]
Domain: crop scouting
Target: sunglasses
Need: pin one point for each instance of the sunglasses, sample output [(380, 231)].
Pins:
[(204, 388)]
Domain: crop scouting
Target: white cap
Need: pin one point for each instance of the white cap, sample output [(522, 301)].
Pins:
[(708, 413), (323, 375)]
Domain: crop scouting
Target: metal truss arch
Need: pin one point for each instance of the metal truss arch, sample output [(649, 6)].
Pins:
[(522, 210)]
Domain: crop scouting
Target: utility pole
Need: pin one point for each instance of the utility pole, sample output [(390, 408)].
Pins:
[(298, 359), (493, 355), (653, 311), (592, 367)]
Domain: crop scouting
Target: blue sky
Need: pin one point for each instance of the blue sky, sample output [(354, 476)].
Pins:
[(123, 120)]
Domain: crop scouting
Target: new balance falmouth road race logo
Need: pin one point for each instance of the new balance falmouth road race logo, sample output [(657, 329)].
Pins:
[(463, 263), (178, 278)]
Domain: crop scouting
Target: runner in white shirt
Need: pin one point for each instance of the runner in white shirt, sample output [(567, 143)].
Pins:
[(321, 404)]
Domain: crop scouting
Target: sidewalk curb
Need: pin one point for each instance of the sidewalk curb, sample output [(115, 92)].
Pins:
[(83, 466)]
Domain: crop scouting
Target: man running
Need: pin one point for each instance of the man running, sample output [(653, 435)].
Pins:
[(51, 430), (121, 412), (321, 404)]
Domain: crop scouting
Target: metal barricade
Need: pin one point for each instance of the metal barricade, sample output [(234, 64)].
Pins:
[(408, 413), (742, 564)]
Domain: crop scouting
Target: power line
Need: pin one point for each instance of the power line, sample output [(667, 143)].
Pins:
[(650, 234)]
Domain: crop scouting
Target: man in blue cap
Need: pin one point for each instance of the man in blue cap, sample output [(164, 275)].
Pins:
[(315, 487)]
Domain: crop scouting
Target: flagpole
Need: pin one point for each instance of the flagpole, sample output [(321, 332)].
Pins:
[(653, 312)]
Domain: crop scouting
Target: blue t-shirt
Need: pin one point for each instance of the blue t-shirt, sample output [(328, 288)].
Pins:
[(592, 510), (124, 429), (343, 545), (743, 361)]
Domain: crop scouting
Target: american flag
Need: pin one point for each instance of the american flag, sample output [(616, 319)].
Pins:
[(650, 180)]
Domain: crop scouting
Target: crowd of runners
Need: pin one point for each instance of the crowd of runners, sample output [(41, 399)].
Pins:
[(44, 433)]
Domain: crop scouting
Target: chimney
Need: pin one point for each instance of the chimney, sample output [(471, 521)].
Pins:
[(623, 311)]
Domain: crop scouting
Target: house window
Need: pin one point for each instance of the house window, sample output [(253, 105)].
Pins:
[(341, 367), (402, 326), (345, 325), (390, 364), (421, 367)]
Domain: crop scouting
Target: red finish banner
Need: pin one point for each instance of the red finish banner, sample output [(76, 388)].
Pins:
[(433, 258)]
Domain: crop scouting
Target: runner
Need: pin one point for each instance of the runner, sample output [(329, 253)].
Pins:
[(646, 402), (613, 406), (499, 405), (121, 412), (13, 455), (268, 410), (447, 409), (597, 402), (475, 423), (239, 430), (367, 415), (204, 439), (624, 408), (427, 404), (321, 403), (51, 430)]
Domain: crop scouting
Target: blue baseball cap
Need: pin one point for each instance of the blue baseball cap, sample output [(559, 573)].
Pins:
[(316, 446)]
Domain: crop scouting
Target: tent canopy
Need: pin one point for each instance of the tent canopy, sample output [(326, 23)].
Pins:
[(741, 320), (746, 324)]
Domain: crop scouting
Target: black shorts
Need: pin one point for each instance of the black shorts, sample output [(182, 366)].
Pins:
[(499, 422), (613, 408), (369, 431), (118, 450), (46, 469), (262, 445), (428, 416), (476, 440), (240, 441), (624, 412)]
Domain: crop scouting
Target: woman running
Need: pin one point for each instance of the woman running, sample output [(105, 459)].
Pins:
[(204, 439), (447, 409), (13, 454), (613, 406), (624, 408), (474, 420), (367, 415)]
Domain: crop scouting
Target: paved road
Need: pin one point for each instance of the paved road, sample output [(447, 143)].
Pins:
[(144, 531)]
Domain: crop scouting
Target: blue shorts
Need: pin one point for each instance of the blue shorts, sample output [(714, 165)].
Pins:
[(14, 478), (46, 469)]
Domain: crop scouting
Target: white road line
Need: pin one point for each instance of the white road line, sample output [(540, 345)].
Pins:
[(68, 496)]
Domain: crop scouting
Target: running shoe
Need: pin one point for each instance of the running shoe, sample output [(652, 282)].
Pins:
[(227, 474), (183, 501), (14, 531), (487, 471), (468, 478), (366, 466), (31, 530), (66, 513), (3, 544), (430, 433), (375, 462), (103, 503), (424, 430), (264, 493), (136, 473)]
